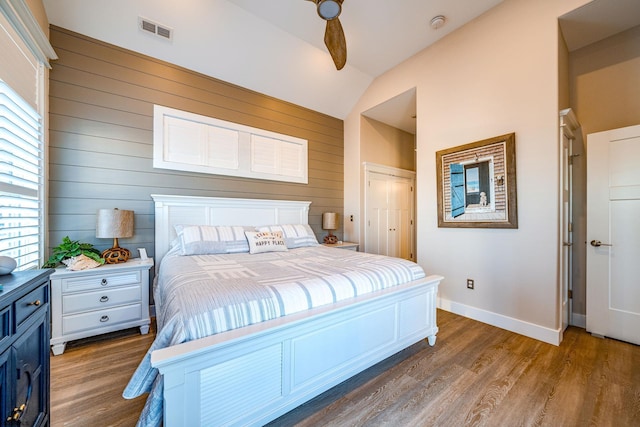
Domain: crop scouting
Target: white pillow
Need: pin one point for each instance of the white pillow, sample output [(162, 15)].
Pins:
[(265, 241), (210, 239), (295, 235)]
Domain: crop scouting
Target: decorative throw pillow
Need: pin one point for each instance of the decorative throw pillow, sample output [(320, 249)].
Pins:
[(210, 239), (265, 241), (295, 235)]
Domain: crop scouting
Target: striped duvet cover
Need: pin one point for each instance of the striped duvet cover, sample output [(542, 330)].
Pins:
[(201, 295)]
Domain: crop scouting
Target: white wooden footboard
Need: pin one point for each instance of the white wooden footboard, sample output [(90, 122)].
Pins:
[(253, 375)]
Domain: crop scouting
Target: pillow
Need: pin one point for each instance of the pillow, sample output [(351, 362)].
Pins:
[(210, 239), (265, 241), (295, 235)]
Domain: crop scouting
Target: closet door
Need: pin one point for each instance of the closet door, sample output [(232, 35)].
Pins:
[(377, 215), (400, 226), (389, 222)]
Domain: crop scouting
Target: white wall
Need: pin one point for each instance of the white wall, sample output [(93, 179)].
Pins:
[(496, 75)]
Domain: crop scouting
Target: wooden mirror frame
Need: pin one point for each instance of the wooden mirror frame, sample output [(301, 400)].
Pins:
[(499, 207)]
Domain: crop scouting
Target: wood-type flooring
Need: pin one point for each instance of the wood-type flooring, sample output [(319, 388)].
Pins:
[(475, 375)]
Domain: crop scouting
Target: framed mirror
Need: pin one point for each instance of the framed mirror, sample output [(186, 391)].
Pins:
[(477, 184)]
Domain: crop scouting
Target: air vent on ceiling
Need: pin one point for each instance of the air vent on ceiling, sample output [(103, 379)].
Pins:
[(159, 30)]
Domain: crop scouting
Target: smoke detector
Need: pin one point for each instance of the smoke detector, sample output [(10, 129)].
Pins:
[(160, 30), (437, 21)]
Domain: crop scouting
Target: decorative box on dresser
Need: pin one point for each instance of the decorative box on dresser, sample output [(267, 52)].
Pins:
[(108, 298), (24, 348)]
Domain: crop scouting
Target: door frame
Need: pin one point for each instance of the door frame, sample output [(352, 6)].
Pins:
[(374, 168), (569, 127)]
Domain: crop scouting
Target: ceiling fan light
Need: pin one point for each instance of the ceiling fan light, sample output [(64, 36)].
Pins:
[(329, 9)]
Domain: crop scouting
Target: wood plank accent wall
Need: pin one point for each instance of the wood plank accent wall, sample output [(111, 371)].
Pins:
[(101, 140)]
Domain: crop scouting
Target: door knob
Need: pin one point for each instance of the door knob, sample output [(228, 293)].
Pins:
[(597, 243)]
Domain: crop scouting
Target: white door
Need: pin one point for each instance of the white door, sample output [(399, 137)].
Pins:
[(376, 240), (400, 228), (389, 213), (613, 234)]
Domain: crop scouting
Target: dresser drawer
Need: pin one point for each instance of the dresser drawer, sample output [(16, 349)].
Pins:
[(30, 303), (100, 318), (101, 281), (104, 298)]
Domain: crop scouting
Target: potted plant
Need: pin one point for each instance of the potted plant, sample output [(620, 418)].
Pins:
[(72, 248)]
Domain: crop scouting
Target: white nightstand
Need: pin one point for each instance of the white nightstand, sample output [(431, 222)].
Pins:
[(99, 300), (343, 245)]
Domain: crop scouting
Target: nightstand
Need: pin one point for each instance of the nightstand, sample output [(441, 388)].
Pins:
[(99, 300), (343, 245)]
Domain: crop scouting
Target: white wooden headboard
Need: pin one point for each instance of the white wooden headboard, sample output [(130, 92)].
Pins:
[(193, 210)]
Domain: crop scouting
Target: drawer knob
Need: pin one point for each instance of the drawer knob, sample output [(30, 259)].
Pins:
[(104, 319), (104, 282), (104, 298), (36, 303)]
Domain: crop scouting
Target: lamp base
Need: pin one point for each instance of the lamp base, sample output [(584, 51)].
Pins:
[(331, 239), (116, 255)]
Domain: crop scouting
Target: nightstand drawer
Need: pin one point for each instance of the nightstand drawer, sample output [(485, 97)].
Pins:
[(100, 318), (30, 303), (100, 281), (105, 298)]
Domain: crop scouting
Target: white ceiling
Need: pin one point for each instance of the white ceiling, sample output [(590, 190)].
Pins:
[(380, 33), (276, 47)]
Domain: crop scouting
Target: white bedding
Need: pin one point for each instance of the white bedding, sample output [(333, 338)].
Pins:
[(201, 295)]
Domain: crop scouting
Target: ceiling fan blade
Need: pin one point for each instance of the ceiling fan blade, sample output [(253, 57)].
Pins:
[(336, 43)]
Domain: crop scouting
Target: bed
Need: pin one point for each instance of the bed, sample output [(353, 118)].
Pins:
[(248, 371)]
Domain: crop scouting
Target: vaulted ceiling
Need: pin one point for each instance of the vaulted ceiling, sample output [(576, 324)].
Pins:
[(276, 47)]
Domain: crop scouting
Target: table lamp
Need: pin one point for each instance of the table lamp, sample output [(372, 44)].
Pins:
[(330, 222), (114, 223)]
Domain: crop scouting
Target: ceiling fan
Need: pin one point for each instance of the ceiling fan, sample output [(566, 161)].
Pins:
[(329, 10)]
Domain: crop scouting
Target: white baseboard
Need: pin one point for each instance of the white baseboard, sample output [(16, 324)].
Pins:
[(579, 320), (531, 330)]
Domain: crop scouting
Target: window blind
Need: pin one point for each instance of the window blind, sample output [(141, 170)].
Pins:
[(21, 179)]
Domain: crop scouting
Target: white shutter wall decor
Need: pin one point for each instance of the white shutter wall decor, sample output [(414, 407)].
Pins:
[(191, 142)]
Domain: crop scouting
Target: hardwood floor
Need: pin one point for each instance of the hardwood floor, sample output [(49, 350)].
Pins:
[(476, 375), (87, 380)]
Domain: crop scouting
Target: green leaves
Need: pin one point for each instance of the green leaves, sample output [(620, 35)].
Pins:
[(69, 249)]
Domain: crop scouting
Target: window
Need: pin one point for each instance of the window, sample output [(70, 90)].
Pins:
[(24, 54), (21, 179)]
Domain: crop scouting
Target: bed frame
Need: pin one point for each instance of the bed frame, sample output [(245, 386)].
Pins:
[(252, 375)]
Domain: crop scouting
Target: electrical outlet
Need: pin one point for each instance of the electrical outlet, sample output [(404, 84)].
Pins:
[(470, 283)]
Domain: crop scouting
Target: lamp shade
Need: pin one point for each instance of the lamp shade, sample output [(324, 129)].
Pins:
[(330, 221), (114, 223)]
